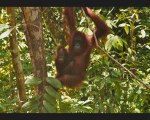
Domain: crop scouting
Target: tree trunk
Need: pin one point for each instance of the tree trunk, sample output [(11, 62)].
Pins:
[(16, 57), (34, 35)]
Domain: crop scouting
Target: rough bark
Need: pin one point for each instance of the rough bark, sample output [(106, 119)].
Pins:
[(34, 35), (16, 57)]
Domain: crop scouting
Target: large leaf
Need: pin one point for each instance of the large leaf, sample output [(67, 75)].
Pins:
[(6, 33), (54, 82), (36, 98), (52, 92), (3, 26), (33, 104), (108, 44), (49, 108), (33, 81), (30, 106), (50, 99), (27, 105), (126, 28), (117, 43)]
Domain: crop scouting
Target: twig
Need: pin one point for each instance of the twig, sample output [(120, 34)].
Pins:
[(96, 42), (137, 78)]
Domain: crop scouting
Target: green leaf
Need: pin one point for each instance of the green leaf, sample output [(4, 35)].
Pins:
[(108, 80), (34, 108), (117, 42), (124, 41), (82, 20), (44, 110), (102, 84), (49, 107), (126, 28), (50, 99), (33, 104), (54, 82), (137, 110), (87, 107), (122, 25), (3, 26), (6, 33), (87, 101), (52, 92), (33, 81), (2, 107), (27, 105), (36, 98), (108, 45), (80, 28), (118, 90), (112, 23), (129, 51), (139, 91), (143, 33), (116, 73), (114, 79)]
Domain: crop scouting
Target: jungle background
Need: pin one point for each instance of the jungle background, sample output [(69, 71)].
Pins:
[(29, 37)]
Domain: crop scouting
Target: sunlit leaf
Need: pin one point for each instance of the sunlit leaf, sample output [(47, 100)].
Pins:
[(130, 51), (108, 45), (108, 22), (82, 20), (112, 23), (143, 34), (148, 47), (80, 28), (114, 41), (122, 25), (87, 107), (2, 21), (137, 110), (3, 26), (87, 101), (117, 43), (139, 91), (6, 33), (126, 29)]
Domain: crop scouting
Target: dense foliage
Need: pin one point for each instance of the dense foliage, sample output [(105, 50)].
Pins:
[(108, 88)]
